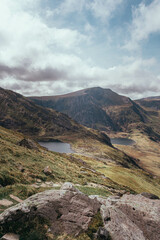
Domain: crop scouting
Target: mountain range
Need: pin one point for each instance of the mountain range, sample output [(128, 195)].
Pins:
[(23, 115), (102, 109), (96, 167)]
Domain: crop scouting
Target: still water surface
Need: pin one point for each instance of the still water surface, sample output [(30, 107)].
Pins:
[(122, 141), (57, 147)]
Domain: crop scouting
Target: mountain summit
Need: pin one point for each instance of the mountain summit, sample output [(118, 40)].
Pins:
[(23, 115), (97, 108)]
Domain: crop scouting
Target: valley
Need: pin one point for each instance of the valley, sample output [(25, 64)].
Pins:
[(117, 116), (79, 120), (95, 166), (146, 150)]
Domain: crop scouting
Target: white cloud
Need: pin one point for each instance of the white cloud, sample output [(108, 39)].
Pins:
[(69, 6), (28, 36), (146, 21), (37, 58), (133, 79), (89, 28), (104, 9)]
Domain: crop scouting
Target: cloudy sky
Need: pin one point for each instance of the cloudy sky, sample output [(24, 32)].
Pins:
[(50, 47)]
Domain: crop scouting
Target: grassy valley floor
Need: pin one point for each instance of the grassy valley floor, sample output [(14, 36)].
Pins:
[(146, 150)]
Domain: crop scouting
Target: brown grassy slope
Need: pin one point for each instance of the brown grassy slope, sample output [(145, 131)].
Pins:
[(21, 114), (144, 149), (20, 167), (77, 168), (152, 103)]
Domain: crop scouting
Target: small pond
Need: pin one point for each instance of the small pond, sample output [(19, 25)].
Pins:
[(122, 141), (57, 147)]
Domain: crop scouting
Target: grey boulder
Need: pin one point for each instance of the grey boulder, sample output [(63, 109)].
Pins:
[(68, 210), (131, 217)]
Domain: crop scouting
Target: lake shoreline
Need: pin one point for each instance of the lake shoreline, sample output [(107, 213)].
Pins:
[(122, 141), (56, 146)]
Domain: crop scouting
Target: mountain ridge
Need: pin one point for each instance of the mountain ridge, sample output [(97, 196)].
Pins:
[(85, 105), (21, 114), (152, 103)]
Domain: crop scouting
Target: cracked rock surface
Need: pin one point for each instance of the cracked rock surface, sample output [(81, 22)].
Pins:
[(68, 210), (131, 217)]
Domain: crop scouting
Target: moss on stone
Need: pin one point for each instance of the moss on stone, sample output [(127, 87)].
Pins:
[(94, 225), (34, 228)]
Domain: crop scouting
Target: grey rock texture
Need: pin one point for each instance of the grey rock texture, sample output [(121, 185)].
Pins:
[(68, 210), (10, 236), (131, 217)]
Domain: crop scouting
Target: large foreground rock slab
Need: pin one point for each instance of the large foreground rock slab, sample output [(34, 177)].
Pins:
[(131, 217), (68, 210)]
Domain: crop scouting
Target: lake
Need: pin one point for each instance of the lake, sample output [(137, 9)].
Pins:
[(57, 147), (122, 141)]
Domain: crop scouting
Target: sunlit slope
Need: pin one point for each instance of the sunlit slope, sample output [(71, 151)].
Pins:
[(21, 168)]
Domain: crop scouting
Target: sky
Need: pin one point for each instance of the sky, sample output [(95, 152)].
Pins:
[(52, 47)]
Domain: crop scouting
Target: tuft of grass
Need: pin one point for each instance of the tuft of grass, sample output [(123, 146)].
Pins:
[(82, 236), (33, 228), (94, 225), (94, 191)]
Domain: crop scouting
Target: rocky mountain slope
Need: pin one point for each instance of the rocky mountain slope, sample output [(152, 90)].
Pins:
[(152, 103), (152, 108), (102, 109), (117, 115), (69, 214), (97, 108), (21, 114)]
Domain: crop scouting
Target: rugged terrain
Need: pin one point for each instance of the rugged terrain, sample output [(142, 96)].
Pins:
[(97, 108), (104, 110), (147, 144), (152, 103), (152, 107), (69, 214), (118, 116), (21, 114), (95, 168), (102, 170)]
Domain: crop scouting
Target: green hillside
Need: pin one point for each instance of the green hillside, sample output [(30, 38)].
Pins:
[(21, 172)]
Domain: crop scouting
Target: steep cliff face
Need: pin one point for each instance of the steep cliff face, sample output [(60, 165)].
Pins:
[(98, 108)]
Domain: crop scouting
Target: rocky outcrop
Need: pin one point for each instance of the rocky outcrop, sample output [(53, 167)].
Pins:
[(67, 210), (131, 217), (47, 170), (28, 143), (5, 202)]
